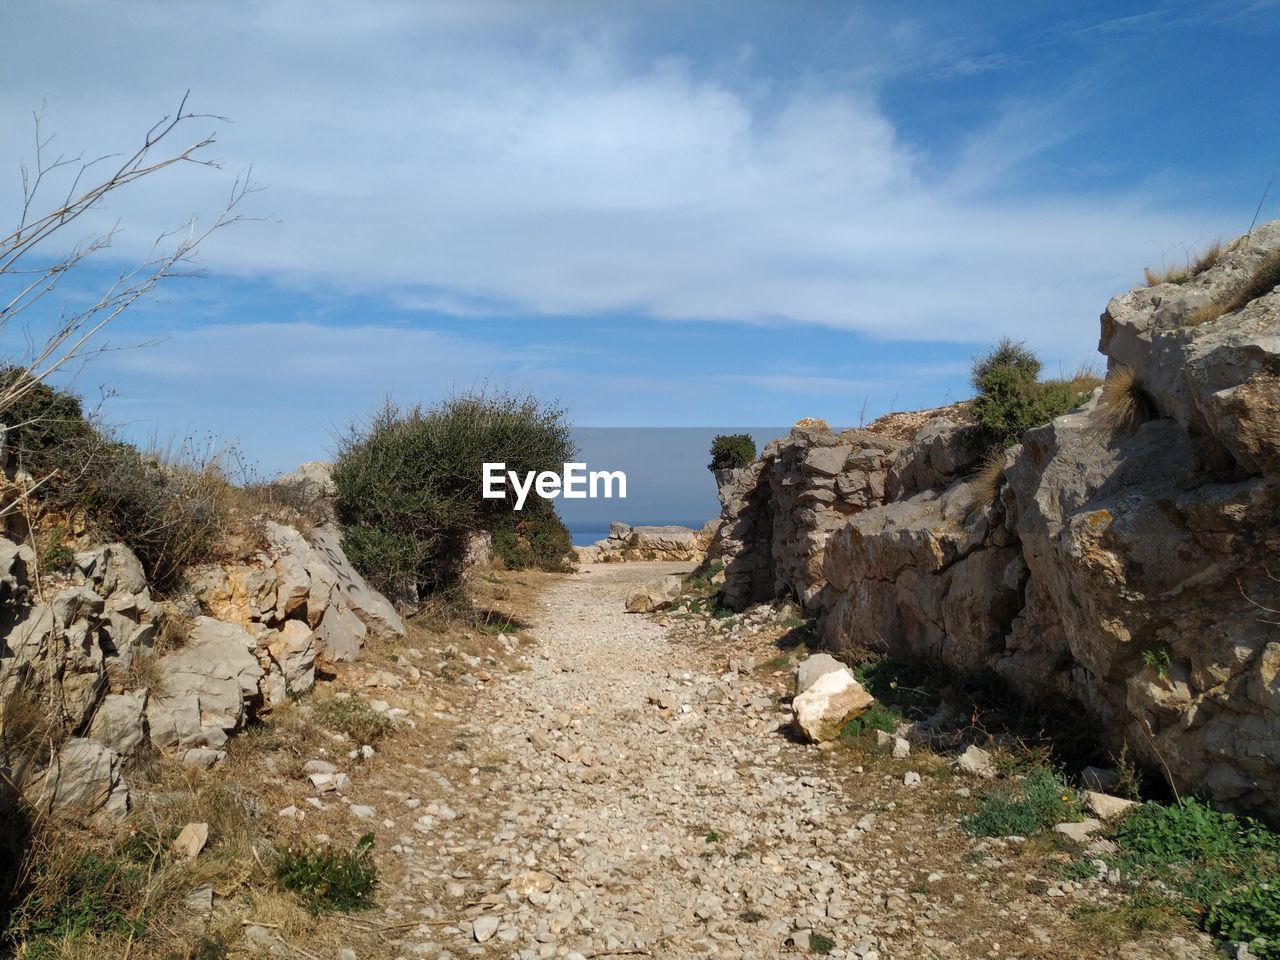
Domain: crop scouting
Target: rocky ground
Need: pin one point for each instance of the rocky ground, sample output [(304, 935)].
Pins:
[(611, 788)]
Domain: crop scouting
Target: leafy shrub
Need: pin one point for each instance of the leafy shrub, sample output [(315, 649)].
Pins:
[(327, 880), (171, 511), (1011, 400), (820, 944), (912, 690), (1158, 659), (409, 485), (44, 424), (354, 717), (534, 537), (1250, 914), (730, 451), (1194, 849), (1039, 801)]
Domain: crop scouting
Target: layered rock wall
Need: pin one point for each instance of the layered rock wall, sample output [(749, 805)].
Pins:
[(1128, 568)]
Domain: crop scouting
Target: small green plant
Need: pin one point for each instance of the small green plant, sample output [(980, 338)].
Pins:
[(353, 717), (912, 690), (327, 880), (820, 944), (1158, 659), (1032, 806), (1011, 400), (878, 717), (1250, 914), (712, 837), (1225, 868), (76, 893), (732, 451)]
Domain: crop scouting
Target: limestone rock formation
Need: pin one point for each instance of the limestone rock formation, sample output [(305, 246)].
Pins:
[(645, 543), (1125, 569), (69, 655)]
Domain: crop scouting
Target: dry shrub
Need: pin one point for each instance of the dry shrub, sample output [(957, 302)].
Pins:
[(1264, 279), (1193, 268), (29, 731), (1124, 404)]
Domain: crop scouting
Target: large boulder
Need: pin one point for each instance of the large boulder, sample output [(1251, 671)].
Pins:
[(827, 697)]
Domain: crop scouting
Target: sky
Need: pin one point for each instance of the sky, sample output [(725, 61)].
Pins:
[(660, 214)]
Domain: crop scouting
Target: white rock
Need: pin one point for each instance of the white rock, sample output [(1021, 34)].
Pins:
[(484, 927)]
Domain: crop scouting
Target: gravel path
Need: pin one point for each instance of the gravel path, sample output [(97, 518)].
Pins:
[(626, 795)]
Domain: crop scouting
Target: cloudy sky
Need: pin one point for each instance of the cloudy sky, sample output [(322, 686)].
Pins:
[(661, 213)]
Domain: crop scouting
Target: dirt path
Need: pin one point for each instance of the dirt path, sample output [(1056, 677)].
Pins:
[(626, 796)]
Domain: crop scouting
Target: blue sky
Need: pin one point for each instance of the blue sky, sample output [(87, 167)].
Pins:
[(661, 213)]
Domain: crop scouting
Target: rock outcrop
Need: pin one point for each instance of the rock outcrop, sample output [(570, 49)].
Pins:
[(102, 666), (645, 543), (1127, 569)]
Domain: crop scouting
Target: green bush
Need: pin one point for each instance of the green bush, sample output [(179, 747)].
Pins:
[(1011, 400), (327, 880), (409, 486), (534, 537), (1250, 914), (1040, 800), (731, 451)]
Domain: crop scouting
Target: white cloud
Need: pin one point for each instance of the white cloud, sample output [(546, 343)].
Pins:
[(527, 157)]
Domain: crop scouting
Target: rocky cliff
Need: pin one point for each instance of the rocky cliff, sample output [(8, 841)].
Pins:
[(1125, 557)]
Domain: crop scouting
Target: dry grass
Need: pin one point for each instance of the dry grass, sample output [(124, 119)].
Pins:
[(1124, 403), (1193, 268), (989, 478), (1264, 279)]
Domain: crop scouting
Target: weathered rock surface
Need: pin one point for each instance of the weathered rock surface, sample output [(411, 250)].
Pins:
[(72, 653), (827, 697), (625, 542), (1123, 571), (655, 595)]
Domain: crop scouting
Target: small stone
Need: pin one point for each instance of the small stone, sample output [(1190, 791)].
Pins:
[(1106, 806), (911, 779), (361, 811), (976, 762), (1079, 832), (484, 927), (191, 840), (901, 749)]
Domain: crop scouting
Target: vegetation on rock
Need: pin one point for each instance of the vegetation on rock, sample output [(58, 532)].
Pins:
[(1012, 400), (732, 451)]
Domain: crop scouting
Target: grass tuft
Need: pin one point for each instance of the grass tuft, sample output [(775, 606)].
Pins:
[(1124, 403), (353, 717), (1192, 269), (1264, 279), (989, 478)]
